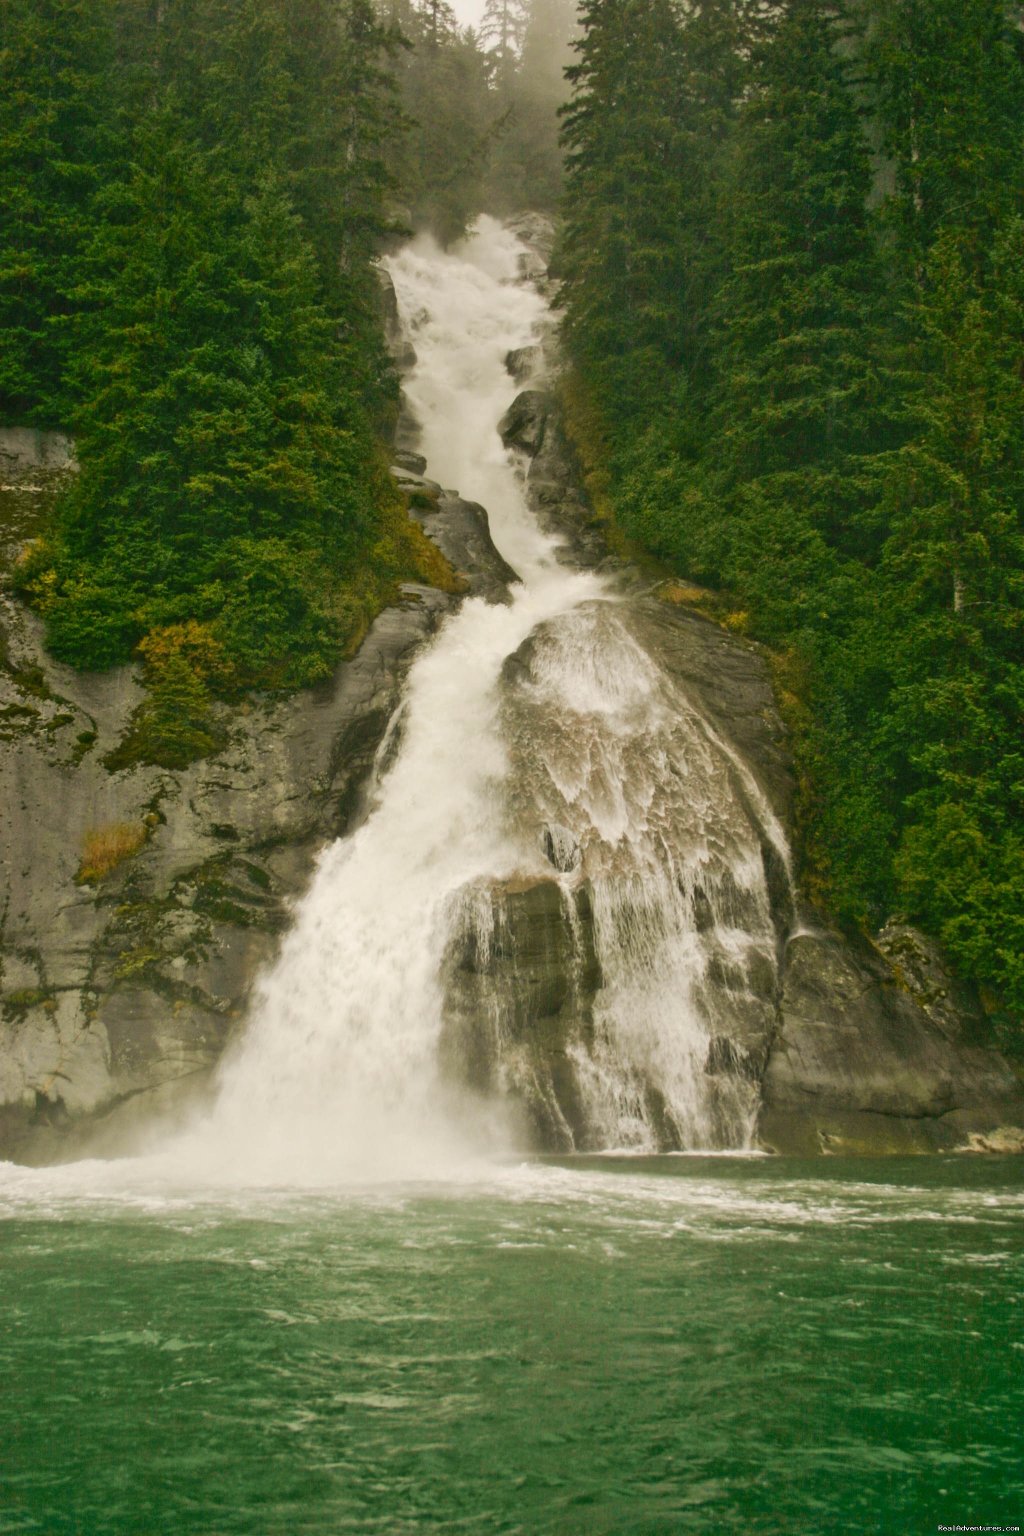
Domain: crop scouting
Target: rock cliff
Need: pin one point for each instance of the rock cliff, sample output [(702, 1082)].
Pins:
[(138, 905)]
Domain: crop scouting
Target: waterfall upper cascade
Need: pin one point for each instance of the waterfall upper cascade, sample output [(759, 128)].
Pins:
[(555, 922)]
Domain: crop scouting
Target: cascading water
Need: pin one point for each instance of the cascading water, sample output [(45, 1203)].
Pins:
[(549, 780)]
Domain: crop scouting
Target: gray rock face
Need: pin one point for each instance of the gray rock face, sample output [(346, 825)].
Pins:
[(849, 1047), (537, 232), (523, 424), (25, 449), (462, 533), (415, 463), (858, 1064), (525, 362), (554, 491), (401, 349), (519, 992), (119, 994)]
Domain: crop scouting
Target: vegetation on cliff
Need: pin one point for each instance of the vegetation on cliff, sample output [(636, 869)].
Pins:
[(794, 273), (187, 282), (197, 195)]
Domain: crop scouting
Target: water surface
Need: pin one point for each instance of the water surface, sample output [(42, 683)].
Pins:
[(599, 1346)]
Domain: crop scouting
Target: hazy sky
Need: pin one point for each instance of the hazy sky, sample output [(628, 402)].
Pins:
[(468, 10)]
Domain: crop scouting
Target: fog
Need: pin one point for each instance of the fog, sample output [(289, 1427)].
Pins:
[(469, 12)]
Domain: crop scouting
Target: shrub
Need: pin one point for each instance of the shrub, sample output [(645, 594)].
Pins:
[(105, 848)]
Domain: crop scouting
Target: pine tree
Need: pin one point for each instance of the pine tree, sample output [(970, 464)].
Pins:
[(527, 164), (59, 139), (218, 417), (620, 252), (800, 311), (502, 30), (444, 81), (949, 95)]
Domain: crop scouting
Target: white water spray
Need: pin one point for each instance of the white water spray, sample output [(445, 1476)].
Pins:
[(338, 1074)]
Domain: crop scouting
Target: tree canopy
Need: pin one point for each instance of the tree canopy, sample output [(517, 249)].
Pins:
[(793, 257)]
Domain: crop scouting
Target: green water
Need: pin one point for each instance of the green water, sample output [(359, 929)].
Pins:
[(670, 1345)]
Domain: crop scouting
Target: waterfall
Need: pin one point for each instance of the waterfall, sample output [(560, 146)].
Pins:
[(549, 779)]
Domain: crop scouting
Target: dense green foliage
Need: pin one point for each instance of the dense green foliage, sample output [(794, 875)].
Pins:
[(199, 195), (195, 195), (794, 267)]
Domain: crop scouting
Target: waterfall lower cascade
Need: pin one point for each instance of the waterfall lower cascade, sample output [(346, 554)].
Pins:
[(553, 928)]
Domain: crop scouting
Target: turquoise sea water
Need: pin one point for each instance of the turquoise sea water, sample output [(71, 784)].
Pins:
[(601, 1346)]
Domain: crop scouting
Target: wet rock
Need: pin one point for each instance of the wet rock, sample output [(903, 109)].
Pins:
[(525, 363), (859, 1067), (520, 977), (727, 1059), (413, 462), (554, 484), (396, 338), (561, 848), (729, 684), (535, 230), (523, 424), (853, 1049), (26, 449), (462, 533), (919, 968), (1006, 1140), (123, 993), (422, 493), (408, 433)]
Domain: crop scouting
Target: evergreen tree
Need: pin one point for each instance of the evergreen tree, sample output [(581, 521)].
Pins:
[(799, 314), (949, 93), (625, 148), (59, 135), (837, 428), (453, 117), (223, 363), (954, 565), (526, 168), (502, 31)]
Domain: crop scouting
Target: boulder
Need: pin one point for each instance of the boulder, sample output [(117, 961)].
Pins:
[(462, 533), (561, 848), (858, 1066), (525, 363), (523, 424), (415, 463)]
